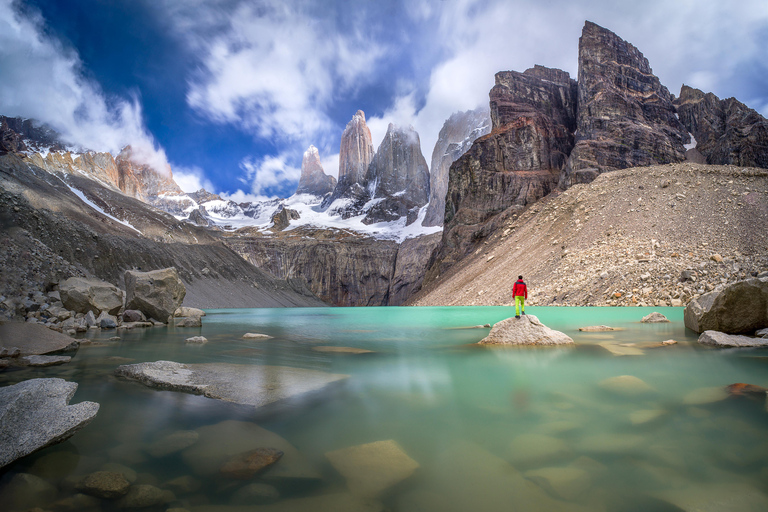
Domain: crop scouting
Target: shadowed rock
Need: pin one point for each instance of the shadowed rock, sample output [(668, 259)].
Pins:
[(33, 339), (157, 294), (526, 330), (738, 308), (36, 413), (82, 295), (720, 339)]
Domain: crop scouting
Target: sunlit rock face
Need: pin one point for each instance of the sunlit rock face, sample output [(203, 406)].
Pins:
[(727, 132), (313, 179), (625, 116), (154, 186), (456, 137), (398, 177)]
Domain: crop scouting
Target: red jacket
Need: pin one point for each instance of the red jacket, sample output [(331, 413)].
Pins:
[(520, 289)]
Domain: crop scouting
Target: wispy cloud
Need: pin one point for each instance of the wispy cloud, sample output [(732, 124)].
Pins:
[(191, 179), (270, 174), (44, 80)]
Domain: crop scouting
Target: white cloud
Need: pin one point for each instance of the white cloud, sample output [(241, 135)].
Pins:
[(191, 179), (330, 164), (243, 197), (270, 172), (43, 80)]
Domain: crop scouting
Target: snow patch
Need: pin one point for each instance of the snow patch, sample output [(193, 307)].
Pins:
[(83, 198), (692, 144)]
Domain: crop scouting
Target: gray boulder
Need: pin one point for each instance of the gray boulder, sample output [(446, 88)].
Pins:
[(189, 321), (106, 321), (654, 318), (738, 308), (82, 295), (39, 361), (184, 311), (157, 294), (133, 315), (526, 330), (720, 339), (32, 339), (36, 413)]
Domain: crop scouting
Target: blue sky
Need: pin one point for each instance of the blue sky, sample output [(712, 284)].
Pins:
[(231, 92)]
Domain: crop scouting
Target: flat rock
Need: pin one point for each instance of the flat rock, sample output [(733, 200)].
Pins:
[(654, 318), (535, 449), (622, 350), (45, 360), (221, 442), (719, 339), (626, 385), (342, 350), (371, 469), (33, 339), (526, 330), (716, 497), (256, 336), (239, 383), (36, 413), (341, 502), (568, 483), (597, 328), (703, 396)]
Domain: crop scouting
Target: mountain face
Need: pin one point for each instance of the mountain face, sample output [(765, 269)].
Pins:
[(20, 135), (313, 179), (355, 155), (625, 116), (456, 137), (398, 177), (727, 132)]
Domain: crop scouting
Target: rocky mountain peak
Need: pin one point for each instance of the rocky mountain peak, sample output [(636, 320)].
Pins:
[(154, 186), (625, 116), (356, 151), (203, 196), (313, 179), (456, 137)]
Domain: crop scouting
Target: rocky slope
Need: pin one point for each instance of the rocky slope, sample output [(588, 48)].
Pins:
[(341, 267), (658, 235), (313, 179), (456, 137), (726, 131), (56, 225)]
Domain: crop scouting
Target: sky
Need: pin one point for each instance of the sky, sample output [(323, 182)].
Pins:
[(230, 93)]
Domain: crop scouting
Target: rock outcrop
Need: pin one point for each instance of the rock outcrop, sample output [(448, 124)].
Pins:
[(36, 413), (82, 295), (25, 135), (726, 132), (526, 330), (340, 268), (456, 137), (723, 340), (157, 294), (282, 218), (398, 177), (238, 383), (625, 116), (313, 179), (738, 308), (355, 155)]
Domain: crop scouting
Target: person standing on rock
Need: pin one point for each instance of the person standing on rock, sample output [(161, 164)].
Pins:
[(520, 293)]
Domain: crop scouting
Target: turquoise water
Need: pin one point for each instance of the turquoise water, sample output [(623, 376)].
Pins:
[(491, 428)]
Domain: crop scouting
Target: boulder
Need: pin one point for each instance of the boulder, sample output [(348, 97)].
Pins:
[(737, 308), (189, 321), (143, 496), (626, 385), (184, 311), (134, 315), (106, 321), (173, 443), (372, 468), (719, 339), (238, 383), (526, 330), (654, 318), (200, 340), (36, 413), (703, 396), (157, 294), (82, 295), (245, 466), (32, 339), (597, 328), (256, 336)]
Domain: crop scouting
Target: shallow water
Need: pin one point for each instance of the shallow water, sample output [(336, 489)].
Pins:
[(486, 425)]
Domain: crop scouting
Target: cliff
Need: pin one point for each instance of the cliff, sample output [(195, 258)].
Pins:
[(313, 179)]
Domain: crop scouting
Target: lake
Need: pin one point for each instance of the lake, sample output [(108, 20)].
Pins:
[(486, 428)]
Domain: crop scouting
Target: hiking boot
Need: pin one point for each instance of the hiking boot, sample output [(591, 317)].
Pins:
[(517, 316), (523, 313)]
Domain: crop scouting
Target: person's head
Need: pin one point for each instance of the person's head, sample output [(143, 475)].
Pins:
[(520, 277)]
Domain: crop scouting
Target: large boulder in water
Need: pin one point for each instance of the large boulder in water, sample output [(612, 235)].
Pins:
[(36, 413), (82, 295), (157, 294), (738, 308), (526, 330)]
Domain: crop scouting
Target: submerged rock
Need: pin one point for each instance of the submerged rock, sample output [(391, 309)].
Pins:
[(713, 496), (626, 385), (597, 328), (247, 465), (36, 413), (738, 308), (255, 494), (654, 318), (703, 396), (200, 340), (526, 330), (173, 443), (568, 483), (719, 339), (238, 383), (371, 469), (104, 484), (25, 491), (535, 449)]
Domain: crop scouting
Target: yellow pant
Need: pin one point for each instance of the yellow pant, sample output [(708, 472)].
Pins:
[(519, 303)]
